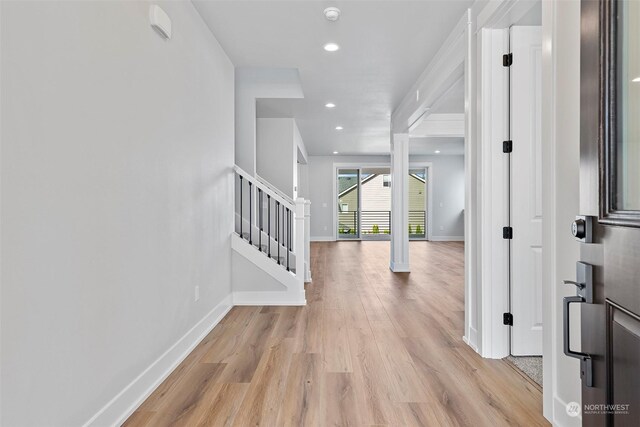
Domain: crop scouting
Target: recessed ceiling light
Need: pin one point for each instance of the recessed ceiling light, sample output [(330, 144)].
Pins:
[(437, 151), (636, 80), (335, 152), (331, 47), (330, 105), (339, 128)]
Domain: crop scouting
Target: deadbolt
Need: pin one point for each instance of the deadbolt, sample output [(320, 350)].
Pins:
[(581, 228)]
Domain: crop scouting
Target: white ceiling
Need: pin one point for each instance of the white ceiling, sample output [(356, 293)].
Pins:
[(385, 45)]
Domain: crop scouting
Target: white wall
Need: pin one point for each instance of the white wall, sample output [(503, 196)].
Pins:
[(277, 153), (251, 84), (448, 189), (115, 198)]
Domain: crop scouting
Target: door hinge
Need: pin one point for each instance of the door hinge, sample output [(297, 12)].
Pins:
[(507, 59), (507, 146), (507, 319), (507, 232)]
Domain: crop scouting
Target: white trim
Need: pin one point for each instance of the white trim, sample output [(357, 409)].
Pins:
[(438, 125), (399, 267), (472, 340), (258, 298), (323, 239), (447, 239), (266, 264), (493, 208), (549, 186), (428, 166), (118, 409)]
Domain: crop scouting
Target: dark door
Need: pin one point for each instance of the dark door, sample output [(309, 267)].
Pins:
[(610, 200)]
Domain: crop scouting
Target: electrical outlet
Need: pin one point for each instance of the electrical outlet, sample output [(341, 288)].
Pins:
[(324, 205), (442, 228), (197, 293), (325, 228)]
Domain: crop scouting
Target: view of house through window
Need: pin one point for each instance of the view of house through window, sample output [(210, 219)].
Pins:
[(348, 203), (364, 203)]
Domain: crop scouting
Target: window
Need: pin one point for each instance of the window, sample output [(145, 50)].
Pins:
[(386, 180), (344, 207)]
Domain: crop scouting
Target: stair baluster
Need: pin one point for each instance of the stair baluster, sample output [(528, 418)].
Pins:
[(269, 224)]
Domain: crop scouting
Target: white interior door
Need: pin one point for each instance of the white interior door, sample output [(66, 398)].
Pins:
[(526, 190)]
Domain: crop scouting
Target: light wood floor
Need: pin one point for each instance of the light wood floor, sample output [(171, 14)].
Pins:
[(370, 348)]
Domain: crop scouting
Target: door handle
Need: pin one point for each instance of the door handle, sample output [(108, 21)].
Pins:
[(586, 371), (572, 282), (584, 295)]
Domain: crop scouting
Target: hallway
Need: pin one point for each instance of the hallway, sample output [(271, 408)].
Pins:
[(370, 348)]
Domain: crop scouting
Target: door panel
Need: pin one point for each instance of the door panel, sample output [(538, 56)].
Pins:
[(610, 191), (526, 194)]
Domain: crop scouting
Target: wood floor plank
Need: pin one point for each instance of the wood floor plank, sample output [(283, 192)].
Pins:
[(303, 392), (370, 348), (337, 355), (264, 397), (221, 411), (180, 406), (242, 365), (339, 401)]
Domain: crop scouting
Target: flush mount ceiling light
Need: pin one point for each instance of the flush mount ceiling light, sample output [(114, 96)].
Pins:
[(437, 151), (636, 80), (331, 47), (332, 13), (339, 128), (330, 105), (335, 152)]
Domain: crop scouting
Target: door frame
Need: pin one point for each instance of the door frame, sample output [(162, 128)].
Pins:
[(428, 167), (352, 165)]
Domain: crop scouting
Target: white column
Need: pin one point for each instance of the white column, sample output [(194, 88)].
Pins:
[(307, 241), (399, 203)]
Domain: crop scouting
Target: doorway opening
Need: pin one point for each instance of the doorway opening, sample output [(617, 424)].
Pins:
[(363, 203)]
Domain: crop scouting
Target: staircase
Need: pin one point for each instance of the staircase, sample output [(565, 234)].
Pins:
[(270, 233)]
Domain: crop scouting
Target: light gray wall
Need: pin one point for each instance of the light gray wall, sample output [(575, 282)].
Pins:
[(116, 197), (448, 189), (448, 194), (277, 153), (251, 84)]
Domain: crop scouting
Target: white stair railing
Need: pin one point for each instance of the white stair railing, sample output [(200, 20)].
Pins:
[(271, 223)]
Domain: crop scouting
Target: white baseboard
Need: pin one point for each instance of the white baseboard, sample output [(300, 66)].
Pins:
[(268, 298), (447, 238), (397, 267), (322, 239), (472, 339), (116, 411)]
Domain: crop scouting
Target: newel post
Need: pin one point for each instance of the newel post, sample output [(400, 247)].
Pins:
[(299, 248), (307, 241)]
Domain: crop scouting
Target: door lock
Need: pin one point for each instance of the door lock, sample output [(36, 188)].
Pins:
[(582, 229)]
